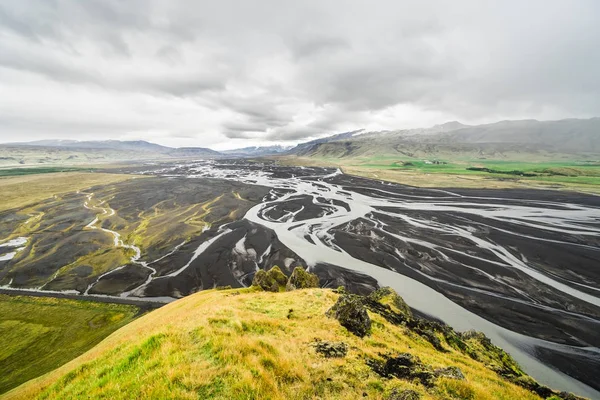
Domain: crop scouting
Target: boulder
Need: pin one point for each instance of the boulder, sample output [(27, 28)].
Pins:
[(405, 394), (331, 349), (450, 372), (404, 366), (352, 315), (300, 279)]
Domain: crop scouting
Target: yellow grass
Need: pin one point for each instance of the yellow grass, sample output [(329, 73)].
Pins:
[(242, 344), (19, 191)]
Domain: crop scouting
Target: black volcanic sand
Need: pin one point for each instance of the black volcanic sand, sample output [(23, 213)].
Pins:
[(139, 199), (234, 258), (123, 280), (60, 238)]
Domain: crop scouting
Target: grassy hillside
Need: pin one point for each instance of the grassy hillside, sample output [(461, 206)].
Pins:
[(40, 334), (249, 344)]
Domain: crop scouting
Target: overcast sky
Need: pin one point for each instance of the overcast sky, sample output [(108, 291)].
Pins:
[(227, 74)]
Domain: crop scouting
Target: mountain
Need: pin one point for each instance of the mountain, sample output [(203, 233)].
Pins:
[(192, 152), (135, 145), (305, 148), (257, 151), (573, 135), (575, 138), (249, 344), (60, 152)]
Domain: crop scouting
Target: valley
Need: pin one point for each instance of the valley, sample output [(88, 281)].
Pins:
[(519, 265)]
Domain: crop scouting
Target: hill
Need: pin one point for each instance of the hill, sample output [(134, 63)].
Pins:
[(39, 334), (250, 344)]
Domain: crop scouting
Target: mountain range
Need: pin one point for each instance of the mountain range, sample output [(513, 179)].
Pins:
[(578, 138), (522, 139)]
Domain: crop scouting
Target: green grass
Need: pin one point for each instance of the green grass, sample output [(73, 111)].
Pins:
[(40, 334), (35, 171), (568, 172)]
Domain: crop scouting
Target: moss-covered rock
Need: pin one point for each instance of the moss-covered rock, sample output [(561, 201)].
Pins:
[(272, 281), (331, 349), (300, 279), (450, 372), (388, 296), (404, 366), (352, 315), (405, 394)]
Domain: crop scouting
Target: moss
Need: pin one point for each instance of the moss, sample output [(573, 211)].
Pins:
[(388, 296), (271, 281), (300, 279)]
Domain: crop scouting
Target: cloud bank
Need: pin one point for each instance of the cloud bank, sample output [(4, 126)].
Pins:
[(231, 73)]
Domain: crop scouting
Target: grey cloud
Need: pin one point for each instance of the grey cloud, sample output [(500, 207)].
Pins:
[(270, 70)]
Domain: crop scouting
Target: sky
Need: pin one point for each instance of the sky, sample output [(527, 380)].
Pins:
[(227, 74)]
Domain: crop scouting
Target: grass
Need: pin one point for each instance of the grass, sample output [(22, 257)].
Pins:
[(40, 334), (569, 175), (19, 191), (35, 171), (242, 344)]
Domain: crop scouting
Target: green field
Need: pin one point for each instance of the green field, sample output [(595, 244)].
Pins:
[(40, 334), (35, 171), (559, 172), (460, 172)]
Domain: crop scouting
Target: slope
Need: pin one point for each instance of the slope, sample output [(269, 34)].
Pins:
[(249, 344)]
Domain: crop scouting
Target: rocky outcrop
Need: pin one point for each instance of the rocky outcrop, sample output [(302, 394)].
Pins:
[(388, 296), (300, 279), (271, 281), (352, 314), (274, 280)]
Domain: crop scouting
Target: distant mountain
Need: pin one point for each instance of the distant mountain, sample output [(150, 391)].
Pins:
[(570, 135), (73, 152), (135, 145), (506, 139), (257, 151), (307, 147), (193, 152)]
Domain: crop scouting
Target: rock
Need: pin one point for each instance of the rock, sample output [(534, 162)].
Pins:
[(272, 281), (331, 349), (388, 296), (405, 394), (352, 315), (450, 372), (300, 279), (340, 290), (404, 366)]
